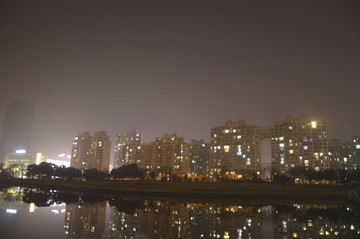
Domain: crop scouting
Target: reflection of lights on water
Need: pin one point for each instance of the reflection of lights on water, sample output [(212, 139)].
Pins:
[(32, 207), (11, 211)]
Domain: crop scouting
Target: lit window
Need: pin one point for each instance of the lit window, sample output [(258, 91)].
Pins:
[(313, 124), (226, 148), (291, 151)]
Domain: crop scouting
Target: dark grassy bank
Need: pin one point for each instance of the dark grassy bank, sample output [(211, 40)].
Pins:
[(225, 190)]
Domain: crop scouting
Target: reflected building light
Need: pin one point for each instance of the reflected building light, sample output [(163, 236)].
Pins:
[(55, 211), (20, 151), (11, 211), (39, 158), (32, 207)]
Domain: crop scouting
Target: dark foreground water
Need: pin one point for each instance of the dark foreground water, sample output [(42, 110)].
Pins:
[(47, 214)]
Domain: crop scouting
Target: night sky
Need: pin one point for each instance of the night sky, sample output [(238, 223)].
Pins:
[(178, 66)]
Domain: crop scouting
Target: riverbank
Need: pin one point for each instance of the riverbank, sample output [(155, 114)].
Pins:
[(215, 190)]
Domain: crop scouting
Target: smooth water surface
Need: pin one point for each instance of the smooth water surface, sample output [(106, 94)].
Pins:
[(39, 214)]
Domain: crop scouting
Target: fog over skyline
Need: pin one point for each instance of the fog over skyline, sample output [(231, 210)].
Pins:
[(178, 66)]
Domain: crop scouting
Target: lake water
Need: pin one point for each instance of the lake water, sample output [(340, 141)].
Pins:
[(27, 214)]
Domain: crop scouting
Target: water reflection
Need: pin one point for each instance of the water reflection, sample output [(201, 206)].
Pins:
[(98, 216)]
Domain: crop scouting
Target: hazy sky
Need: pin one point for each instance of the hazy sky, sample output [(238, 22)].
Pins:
[(179, 66)]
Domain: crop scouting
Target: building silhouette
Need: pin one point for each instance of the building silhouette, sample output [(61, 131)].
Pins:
[(17, 127)]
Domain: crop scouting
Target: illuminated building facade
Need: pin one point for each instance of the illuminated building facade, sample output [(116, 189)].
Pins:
[(166, 155), (356, 152), (127, 148), (16, 163), (17, 127), (146, 156), (80, 152), (170, 154), (199, 157), (340, 154), (235, 147), (299, 142), (100, 151), (344, 155), (89, 152)]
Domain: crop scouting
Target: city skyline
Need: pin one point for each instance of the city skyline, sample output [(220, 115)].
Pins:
[(162, 67)]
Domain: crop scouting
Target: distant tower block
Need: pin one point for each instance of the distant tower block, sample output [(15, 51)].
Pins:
[(127, 148), (17, 127), (91, 152)]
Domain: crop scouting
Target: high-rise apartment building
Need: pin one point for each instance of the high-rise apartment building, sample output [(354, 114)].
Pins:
[(127, 148), (80, 152), (199, 157), (356, 152), (146, 156), (340, 154), (169, 155), (17, 127), (100, 151), (299, 142), (90, 152), (235, 148), (344, 155)]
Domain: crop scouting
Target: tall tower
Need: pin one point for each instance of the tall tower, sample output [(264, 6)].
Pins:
[(100, 151), (90, 152), (127, 148), (80, 151), (199, 157), (300, 142), (17, 127), (235, 149), (170, 154)]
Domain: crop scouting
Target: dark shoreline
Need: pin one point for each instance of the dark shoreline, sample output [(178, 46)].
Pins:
[(199, 191)]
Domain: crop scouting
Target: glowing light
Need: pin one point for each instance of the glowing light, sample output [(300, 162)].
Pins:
[(20, 151), (226, 148), (38, 158), (12, 211), (358, 146), (32, 207), (313, 124)]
